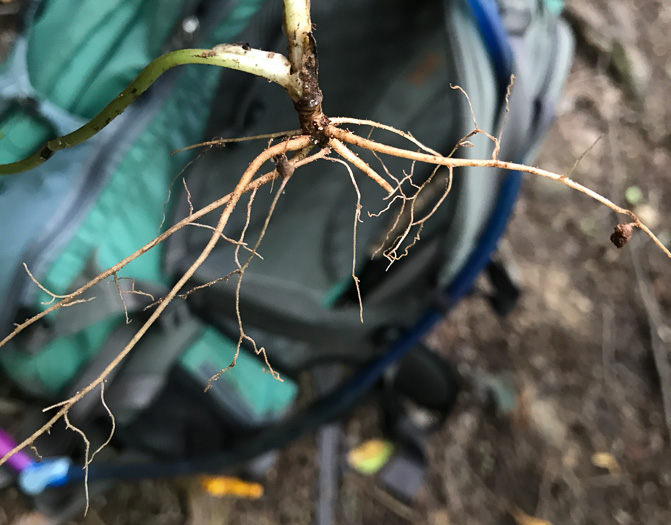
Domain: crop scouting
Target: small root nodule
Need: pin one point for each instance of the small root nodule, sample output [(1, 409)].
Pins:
[(284, 167), (622, 234)]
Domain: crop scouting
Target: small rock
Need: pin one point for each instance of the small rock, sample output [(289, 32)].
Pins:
[(545, 419)]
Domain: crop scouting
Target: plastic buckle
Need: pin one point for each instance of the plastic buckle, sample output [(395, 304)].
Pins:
[(405, 472)]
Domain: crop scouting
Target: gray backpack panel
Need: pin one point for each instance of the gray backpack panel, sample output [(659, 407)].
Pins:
[(308, 246)]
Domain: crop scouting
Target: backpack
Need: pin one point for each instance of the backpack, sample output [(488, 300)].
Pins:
[(90, 206)]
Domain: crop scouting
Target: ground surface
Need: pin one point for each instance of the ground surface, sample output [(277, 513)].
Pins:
[(586, 440)]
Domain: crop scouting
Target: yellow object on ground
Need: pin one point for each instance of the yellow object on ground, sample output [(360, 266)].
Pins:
[(227, 486), (607, 461), (370, 456)]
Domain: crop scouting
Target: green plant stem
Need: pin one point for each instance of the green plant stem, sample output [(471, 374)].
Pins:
[(273, 66)]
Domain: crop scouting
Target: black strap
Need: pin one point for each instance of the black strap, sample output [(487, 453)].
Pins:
[(135, 384), (421, 381)]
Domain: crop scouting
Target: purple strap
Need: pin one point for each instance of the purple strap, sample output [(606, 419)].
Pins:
[(18, 461)]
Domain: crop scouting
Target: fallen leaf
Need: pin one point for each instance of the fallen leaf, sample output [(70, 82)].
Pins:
[(370, 456), (522, 518), (439, 517), (606, 460), (228, 486)]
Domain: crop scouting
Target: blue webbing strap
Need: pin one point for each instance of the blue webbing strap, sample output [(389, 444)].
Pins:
[(486, 15)]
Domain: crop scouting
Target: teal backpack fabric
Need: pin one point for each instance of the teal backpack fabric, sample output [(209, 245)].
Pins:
[(98, 202)]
